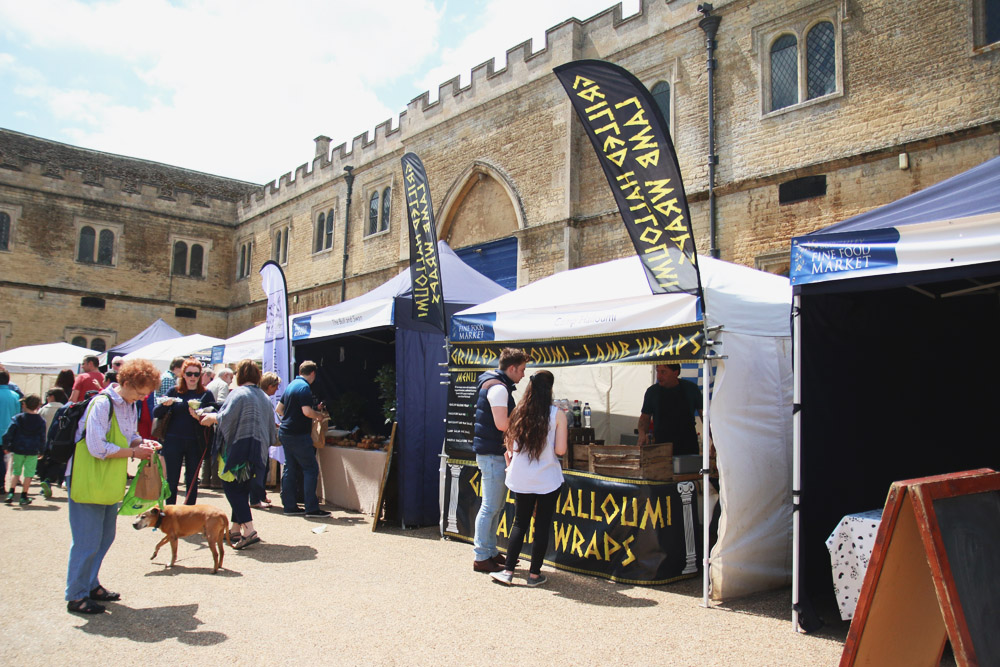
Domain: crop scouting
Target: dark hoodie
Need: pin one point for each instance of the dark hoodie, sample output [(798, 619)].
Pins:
[(26, 434)]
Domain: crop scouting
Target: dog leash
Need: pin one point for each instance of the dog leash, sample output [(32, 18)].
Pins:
[(191, 487)]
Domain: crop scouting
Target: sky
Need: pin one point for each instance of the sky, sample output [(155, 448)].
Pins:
[(240, 88)]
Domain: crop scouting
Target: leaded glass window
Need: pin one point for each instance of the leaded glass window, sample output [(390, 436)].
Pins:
[(320, 226), (386, 199), (86, 251), (79, 341), (991, 21), (4, 231), (661, 94), (106, 247), (180, 258), (197, 260), (373, 213), (821, 61), (784, 72), (329, 229)]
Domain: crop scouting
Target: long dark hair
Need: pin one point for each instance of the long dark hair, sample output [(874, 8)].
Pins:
[(65, 381), (529, 422)]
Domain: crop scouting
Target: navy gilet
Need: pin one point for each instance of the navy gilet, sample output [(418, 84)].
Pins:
[(488, 438)]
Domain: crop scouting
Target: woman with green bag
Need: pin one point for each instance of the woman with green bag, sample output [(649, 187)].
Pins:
[(245, 431), (96, 476)]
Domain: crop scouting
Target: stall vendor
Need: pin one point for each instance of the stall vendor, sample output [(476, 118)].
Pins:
[(671, 405)]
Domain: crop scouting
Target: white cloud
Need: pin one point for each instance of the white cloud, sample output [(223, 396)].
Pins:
[(504, 24), (240, 88)]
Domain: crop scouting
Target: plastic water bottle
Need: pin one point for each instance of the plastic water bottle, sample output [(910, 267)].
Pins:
[(586, 415)]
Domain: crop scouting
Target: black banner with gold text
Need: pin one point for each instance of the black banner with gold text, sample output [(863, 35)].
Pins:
[(683, 343), (633, 145), (425, 268), (629, 531)]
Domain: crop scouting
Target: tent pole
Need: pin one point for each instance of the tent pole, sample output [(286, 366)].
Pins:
[(796, 454), (705, 464), (443, 456)]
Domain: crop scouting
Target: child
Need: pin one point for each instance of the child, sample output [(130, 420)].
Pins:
[(50, 472), (25, 439)]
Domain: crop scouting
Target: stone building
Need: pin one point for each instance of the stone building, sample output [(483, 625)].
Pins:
[(822, 110)]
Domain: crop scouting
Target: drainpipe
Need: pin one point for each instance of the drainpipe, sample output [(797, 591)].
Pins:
[(349, 178), (710, 24)]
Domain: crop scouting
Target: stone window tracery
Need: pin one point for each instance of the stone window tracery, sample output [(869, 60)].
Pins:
[(188, 256), (800, 58)]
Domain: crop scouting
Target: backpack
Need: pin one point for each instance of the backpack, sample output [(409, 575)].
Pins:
[(61, 442)]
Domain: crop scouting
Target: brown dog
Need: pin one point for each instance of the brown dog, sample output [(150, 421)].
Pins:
[(183, 520)]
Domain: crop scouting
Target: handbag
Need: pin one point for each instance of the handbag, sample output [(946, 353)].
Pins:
[(148, 479), (155, 489), (319, 427), (160, 424)]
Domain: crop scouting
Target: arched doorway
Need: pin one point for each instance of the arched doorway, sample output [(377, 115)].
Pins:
[(480, 219)]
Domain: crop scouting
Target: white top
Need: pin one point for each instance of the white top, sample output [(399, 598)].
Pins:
[(497, 396), (540, 476)]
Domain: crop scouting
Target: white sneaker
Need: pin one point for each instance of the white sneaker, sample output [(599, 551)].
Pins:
[(504, 577)]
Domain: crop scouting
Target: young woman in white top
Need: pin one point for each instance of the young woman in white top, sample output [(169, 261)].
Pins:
[(535, 438)]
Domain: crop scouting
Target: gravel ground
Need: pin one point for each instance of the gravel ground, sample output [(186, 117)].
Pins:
[(345, 595)]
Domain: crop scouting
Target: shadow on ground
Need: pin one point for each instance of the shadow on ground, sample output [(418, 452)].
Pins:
[(152, 625)]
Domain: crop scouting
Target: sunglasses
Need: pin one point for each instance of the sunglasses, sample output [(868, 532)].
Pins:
[(193, 375)]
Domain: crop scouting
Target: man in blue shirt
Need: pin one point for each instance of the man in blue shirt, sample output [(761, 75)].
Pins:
[(295, 434)]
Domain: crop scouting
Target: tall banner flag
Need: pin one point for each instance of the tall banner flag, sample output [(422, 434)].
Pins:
[(277, 343), (633, 145), (425, 269)]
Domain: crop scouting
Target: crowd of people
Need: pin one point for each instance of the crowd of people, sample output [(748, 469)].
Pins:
[(187, 415)]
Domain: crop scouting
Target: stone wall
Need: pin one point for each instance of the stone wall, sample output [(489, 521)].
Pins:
[(505, 155)]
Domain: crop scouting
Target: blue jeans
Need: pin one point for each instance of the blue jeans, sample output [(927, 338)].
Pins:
[(300, 461), (491, 470), (93, 530)]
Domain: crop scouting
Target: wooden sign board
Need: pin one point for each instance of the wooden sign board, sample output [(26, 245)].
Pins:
[(385, 477), (934, 575)]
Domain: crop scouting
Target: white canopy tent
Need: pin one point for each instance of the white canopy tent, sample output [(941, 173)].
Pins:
[(751, 403), (247, 344), (163, 351), (47, 359)]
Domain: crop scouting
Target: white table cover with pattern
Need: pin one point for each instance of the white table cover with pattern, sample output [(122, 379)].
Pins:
[(850, 547)]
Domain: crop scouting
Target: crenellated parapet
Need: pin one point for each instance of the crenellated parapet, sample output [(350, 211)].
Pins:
[(79, 172), (600, 36)]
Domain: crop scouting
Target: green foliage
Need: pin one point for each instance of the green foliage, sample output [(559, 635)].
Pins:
[(386, 381), (345, 410)]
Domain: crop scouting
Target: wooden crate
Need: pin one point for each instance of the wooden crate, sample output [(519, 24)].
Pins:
[(578, 456), (649, 462)]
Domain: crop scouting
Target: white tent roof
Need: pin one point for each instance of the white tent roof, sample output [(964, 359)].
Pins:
[(163, 351), (615, 296), (248, 344), (49, 358)]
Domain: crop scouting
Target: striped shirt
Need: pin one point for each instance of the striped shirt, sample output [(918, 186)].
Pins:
[(98, 423)]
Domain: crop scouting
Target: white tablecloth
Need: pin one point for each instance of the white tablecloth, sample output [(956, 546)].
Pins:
[(850, 547)]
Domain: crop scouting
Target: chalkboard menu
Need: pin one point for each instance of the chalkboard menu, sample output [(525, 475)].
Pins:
[(934, 575), (970, 533)]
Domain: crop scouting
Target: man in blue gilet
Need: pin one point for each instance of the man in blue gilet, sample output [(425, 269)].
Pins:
[(494, 403)]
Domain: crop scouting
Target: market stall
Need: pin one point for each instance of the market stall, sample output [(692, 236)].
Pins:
[(155, 332), (163, 351), (646, 530), (34, 367), (891, 381), (376, 362)]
